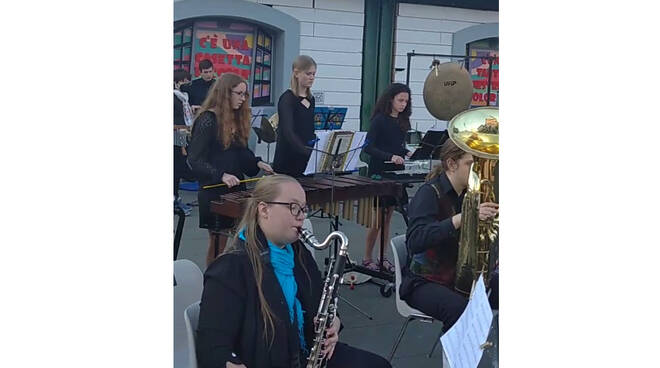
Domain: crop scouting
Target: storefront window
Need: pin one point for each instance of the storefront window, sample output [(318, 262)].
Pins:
[(479, 67), (182, 47), (231, 47), (262, 66)]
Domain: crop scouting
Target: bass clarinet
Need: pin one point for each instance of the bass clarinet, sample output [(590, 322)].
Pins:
[(328, 304)]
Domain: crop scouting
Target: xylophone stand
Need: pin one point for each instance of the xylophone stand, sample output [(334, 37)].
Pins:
[(334, 226)]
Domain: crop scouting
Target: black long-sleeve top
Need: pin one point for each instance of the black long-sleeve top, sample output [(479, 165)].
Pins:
[(178, 112), (295, 133), (230, 317), (384, 139), (197, 90), (208, 158), (431, 238)]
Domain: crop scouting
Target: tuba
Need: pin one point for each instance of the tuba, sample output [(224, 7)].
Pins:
[(476, 131), (447, 96)]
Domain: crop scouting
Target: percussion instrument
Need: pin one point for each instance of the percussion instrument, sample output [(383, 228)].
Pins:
[(447, 90), (476, 131), (355, 197)]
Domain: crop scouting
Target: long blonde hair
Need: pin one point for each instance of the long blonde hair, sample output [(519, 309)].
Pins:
[(302, 63), (218, 100), (266, 190)]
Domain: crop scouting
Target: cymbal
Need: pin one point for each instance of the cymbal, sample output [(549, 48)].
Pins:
[(447, 90), (266, 131)]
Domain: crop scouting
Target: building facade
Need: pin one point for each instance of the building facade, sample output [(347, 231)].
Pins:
[(360, 47)]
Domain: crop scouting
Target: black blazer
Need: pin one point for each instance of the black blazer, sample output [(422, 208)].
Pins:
[(230, 315)]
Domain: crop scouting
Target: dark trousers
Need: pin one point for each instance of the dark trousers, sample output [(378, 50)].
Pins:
[(444, 304), (181, 169), (494, 284), (346, 356), (437, 301)]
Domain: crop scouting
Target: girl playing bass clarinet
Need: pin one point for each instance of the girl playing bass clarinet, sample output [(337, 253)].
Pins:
[(261, 295)]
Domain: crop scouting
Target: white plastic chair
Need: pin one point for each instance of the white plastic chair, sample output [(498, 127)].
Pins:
[(191, 316), (400, 252), (188, 290)]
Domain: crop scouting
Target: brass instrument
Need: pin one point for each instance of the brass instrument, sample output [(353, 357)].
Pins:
[(328, 304), (476, 131)]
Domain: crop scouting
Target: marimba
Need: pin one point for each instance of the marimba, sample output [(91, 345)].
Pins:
[(350, 191)]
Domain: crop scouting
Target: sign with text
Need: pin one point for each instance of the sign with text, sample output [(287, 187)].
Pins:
[(479, 65), (228, 51)]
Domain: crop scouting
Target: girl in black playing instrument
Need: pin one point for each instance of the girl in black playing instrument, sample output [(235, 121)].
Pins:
[(432, 237), (386, 142), (295, 110), (260, 297), (218, 153)]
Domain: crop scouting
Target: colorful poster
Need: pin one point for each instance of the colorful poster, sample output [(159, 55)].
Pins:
[(479, 73), (229, 51)]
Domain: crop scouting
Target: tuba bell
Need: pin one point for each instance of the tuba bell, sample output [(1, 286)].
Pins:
[(476, 131)]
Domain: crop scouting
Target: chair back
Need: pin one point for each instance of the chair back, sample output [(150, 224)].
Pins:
[(191, 317), (188, 290), (400, 253)]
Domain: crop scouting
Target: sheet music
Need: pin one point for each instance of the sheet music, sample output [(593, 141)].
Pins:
[(354, 156), (316, 159), (462, 343)]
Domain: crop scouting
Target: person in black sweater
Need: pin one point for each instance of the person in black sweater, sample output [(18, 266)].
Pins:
[(218, 153), (261, 296), (182, 122), (432, 238), (386, 142), (199, 88), (295, 130)]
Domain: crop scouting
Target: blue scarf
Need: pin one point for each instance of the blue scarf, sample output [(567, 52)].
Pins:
[(282, 261)]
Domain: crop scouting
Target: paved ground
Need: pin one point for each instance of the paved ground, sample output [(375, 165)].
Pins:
[(377, 335)]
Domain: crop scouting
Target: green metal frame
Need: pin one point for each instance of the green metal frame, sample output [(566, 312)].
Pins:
[(377, 54), (378, 45)]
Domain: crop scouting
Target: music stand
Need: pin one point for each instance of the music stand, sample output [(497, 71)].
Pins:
[(265, 133), (337, 160), (429, 147), (329, 118), (336, 116)]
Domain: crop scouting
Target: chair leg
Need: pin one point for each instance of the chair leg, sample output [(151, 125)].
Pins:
[(436, 343), (398, 340)]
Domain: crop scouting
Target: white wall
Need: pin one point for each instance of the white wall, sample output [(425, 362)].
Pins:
[(429, 29), (331, 33)]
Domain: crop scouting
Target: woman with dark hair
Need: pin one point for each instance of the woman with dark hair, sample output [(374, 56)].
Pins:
[(219, 153), (295, 111), (260, 297), (432, 237), (386, 142)]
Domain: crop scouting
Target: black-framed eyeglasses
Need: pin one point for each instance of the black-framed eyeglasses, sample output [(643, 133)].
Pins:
[(294, 207), (241, 94)]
